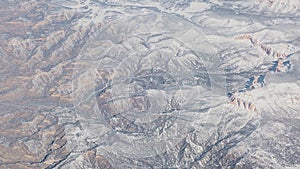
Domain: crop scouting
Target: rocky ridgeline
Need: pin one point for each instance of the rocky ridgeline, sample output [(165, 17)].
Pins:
[(281, 64)]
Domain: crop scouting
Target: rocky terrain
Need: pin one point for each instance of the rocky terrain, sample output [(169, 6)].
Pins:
[(115, 84)]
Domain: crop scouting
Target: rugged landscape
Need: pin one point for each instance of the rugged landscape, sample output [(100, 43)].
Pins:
[(149, 84)]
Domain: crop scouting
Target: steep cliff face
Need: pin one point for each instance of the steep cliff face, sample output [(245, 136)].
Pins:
[(149, 84)]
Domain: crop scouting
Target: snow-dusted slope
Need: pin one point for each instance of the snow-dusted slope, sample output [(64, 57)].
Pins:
[(150, 84)]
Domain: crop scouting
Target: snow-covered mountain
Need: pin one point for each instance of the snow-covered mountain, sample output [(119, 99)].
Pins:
[(150, 84)]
